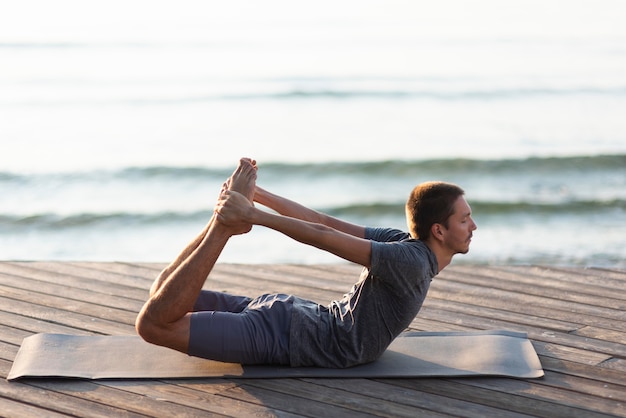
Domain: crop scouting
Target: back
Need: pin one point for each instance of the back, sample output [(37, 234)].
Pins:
[(358, 328)]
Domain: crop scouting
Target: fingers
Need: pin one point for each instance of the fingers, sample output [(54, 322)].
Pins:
[(230, 212), (232, 203)]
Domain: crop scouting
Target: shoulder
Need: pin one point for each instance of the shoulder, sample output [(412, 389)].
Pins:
[(408, 255), (386, 234)]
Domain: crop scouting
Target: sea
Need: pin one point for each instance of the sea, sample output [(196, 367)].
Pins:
[(120, 120)]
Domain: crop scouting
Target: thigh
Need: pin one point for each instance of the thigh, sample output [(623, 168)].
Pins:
[(209, 300), (253, 336)]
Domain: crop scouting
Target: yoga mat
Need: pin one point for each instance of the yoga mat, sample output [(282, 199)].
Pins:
[(412, 354)]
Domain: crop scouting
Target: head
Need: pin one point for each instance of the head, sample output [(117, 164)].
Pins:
[(431, 204)]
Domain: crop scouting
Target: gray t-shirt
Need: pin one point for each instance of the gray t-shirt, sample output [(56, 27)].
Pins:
[(358, 328)]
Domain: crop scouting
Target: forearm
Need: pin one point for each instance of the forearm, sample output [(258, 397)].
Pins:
[(318, 235), (285, 206), (293, 209)]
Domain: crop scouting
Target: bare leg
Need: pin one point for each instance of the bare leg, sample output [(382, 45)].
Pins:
[(239, 181), (165, 318), (184, 254)]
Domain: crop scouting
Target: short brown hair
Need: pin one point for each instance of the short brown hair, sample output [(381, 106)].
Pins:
[(430, 203)]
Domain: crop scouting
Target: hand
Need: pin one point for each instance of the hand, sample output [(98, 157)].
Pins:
[(232, 211)]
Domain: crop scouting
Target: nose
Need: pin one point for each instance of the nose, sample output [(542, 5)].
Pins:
[(474, 226)]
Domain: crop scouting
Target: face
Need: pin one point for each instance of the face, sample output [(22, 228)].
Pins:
[(458, 235)]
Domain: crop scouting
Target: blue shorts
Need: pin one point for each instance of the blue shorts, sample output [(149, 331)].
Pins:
[(238, 329)]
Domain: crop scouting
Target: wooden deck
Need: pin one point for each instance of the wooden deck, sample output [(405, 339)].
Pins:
[(576, 319)]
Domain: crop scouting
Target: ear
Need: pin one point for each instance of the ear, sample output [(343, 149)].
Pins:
[(436, 231)]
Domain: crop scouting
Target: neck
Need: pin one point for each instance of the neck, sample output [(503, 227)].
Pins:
[(443, 257)]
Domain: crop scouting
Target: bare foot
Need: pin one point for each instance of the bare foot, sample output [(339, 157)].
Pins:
[(243, 178), (243, 181)]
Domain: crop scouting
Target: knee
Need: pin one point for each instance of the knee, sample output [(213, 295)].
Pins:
[(147, 328), (172, 335)]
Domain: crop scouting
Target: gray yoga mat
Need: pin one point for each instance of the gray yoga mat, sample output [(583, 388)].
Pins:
[(413, 354)]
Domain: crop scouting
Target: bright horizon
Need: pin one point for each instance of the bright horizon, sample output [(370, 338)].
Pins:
[(99, 77)]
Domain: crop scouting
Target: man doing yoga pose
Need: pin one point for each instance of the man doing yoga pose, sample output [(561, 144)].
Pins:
[(286, 329)]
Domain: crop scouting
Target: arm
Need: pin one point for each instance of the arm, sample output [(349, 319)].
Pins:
[(234, 208), (293, 209)]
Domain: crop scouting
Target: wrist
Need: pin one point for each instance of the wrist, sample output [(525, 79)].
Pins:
[(261, 196), (222, 227)]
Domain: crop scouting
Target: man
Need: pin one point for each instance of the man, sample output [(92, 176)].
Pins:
[(285, 329)]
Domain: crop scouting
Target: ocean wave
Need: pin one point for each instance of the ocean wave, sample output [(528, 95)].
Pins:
[(356, 212), (513, 93), (122, 174), (575, 207), (389, 168), (461, 165), (53, 221), (486, 208), (392, 171), (461, 94)]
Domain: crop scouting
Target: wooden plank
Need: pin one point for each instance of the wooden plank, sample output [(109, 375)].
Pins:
[(11, 340), (595, 391), (581, 404), (586, 371), (536, 333), (333, 400), (594, 385), (51, 400), (545, 349), (589, 281), (598, 340), (71, 302), (591, 275), (429, 403), (602, 334), (521, 400), (520, 305), (134, 284), (98, 394), (14, 408), (296, 279), (521, 284), (291, 398), (72, 319), (267, 281), (578, 337), (502, 314), (615, 364), (29, 325), (565, 353), (541, 305), (211, 397), (129, 274), (57, 273)]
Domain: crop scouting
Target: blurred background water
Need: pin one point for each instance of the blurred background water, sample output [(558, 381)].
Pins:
[(120, 120)]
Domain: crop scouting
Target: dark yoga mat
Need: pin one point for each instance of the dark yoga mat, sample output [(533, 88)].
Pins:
[(413, 354)]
